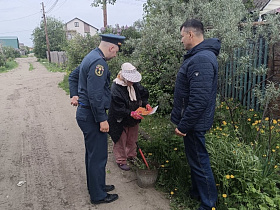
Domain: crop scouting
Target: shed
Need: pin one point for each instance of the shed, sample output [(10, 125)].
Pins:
[(9, 41)]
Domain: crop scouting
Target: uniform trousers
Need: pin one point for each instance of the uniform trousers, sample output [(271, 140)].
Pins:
[(203, 183), (96, 153), (126, 146)]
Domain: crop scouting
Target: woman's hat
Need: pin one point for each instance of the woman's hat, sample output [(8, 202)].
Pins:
[(130, 73)]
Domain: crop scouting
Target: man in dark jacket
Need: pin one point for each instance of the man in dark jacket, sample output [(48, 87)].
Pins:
[(90, 84), (194, 106)]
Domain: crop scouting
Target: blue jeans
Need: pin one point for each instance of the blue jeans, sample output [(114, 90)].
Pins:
[(203, 183)]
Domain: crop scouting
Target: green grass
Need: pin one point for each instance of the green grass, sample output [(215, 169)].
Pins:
[(9, 66), (31, 67), (64, 84), (52, 67)]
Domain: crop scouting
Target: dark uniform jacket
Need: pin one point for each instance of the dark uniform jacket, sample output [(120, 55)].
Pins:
[(93, 84), (196, 87), (73, 82), (121, 107)]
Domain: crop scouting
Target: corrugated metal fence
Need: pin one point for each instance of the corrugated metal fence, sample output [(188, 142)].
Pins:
[(239, 77)]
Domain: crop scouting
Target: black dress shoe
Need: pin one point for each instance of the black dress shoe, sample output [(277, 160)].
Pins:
[(108, 199), (109, 188)]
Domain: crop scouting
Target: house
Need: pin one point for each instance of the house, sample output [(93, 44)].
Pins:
[(9, 41), (267, 6), (78, 26)]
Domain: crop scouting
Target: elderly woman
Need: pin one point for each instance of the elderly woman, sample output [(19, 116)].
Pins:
[(127, 96)]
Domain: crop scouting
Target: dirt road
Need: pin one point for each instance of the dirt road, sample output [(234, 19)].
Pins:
[(41, 145)]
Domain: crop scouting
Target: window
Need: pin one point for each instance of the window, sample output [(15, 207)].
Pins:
[(76, 24)]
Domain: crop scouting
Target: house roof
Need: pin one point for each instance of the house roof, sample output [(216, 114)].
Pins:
[(260, 4), (267, 6), (8, 37), (271, 7), (9, 41), (82, 21)]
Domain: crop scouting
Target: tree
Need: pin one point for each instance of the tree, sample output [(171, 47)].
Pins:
[(56, 34), (96, 3), (159, 52)]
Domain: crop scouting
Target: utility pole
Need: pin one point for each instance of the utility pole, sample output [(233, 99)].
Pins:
[(105, 13), (46, 32)]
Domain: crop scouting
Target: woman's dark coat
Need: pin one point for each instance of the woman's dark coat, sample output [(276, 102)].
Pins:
[(121, 107)]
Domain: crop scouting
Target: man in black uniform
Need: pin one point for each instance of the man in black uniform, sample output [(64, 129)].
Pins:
[(94, 98)]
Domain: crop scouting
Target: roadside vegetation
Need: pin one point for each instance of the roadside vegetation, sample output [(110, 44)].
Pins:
[(7, 56), (243, 143)]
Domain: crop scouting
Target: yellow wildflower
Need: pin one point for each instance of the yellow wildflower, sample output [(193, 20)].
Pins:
[(162, 166), (264, 155), (262, 131), (167, 161), (266, 119), (255, 115), (172, 193), (150, 154), (224, 123), (213, 208), (228, 176), (277, 147), (232, 176), (271, 127), (175, 189), (273, 150), (275, 166), (227, 107), (249, 119), (224, 195), (274, 121), (175, 148)]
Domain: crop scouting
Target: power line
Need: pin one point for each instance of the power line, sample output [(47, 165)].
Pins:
[(20, 17), (51, 8), (58, 7), (17, 31)]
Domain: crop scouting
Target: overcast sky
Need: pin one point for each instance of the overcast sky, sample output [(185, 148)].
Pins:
[(20, 17)]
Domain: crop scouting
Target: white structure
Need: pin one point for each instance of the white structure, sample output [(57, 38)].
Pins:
[(79, 26), (267, 6)]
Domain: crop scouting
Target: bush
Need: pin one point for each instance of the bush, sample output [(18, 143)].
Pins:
[(10, 52), (2, 60), (79, 47), (246, 171)]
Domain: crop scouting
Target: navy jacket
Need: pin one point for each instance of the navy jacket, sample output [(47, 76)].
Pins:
[(196, 88), (73, 82), (93, 84)]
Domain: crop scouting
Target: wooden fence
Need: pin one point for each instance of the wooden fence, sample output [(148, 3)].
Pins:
[(237, 80), (59, 58)]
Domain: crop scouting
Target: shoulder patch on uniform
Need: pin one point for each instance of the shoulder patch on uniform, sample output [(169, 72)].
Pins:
[(99, 70), (196, 73)]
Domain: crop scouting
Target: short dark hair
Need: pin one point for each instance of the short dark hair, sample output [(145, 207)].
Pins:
[(193, 23)]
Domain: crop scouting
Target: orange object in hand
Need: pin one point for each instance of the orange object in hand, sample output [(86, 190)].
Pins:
[(136, 115)]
